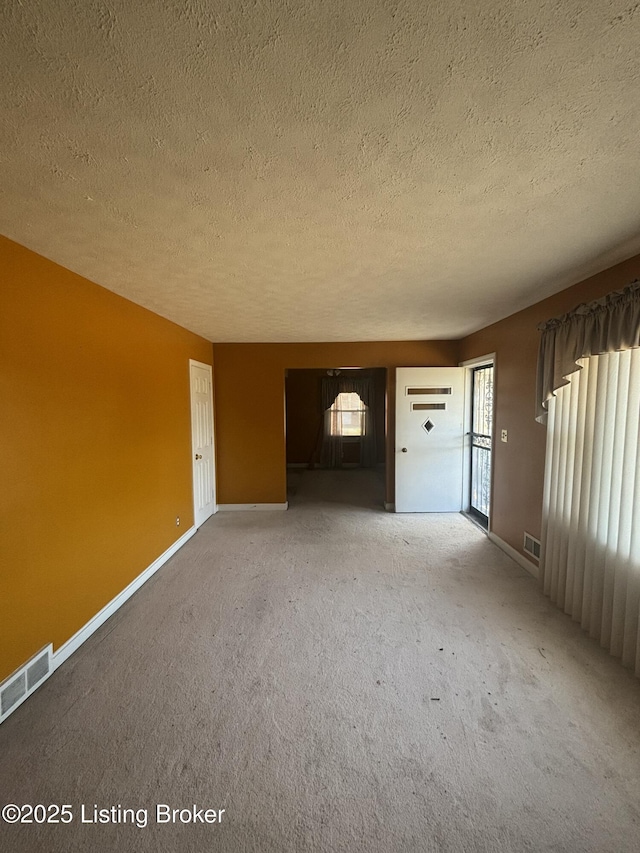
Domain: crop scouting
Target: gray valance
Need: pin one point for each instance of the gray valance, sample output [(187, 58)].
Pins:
[(609, 324)]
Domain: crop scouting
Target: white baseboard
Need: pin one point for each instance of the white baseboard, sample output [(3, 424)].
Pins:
[(72, 644), (390, 507), (251, 507), (515, 555)]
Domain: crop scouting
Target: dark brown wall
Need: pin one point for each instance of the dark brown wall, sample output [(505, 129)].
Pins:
[(305, 415), (519, 464)]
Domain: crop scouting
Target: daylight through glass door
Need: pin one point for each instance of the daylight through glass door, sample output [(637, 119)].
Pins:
[(481, 439)]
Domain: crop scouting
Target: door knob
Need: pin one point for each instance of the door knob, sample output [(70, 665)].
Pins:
[(404, 449)]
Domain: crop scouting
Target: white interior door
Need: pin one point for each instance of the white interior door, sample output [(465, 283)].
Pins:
[(204, 481), (429, 439)]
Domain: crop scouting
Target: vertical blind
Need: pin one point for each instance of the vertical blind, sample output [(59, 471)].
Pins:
[(590, 563)]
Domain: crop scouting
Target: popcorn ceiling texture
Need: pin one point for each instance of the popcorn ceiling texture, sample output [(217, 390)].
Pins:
[(300, 171)]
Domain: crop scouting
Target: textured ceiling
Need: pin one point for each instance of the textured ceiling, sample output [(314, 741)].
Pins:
[(323, 170)]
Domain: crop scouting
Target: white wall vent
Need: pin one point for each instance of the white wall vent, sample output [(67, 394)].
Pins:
[(531, 546), (21, 684)]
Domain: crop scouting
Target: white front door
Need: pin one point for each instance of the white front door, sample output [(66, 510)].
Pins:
[(204, 483), (429, 439)]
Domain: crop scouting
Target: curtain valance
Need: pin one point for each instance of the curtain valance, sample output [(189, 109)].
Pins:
[(609, 324), (334, 385)]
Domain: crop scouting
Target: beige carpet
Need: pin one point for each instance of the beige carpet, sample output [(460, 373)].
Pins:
[(337, 678)]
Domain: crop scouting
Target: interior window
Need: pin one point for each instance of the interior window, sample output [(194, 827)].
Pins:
[(346, 415)]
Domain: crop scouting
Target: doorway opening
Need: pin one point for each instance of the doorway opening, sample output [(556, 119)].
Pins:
[(335, 434), (480, 442)]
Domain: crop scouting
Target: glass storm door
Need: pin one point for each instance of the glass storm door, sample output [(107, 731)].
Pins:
[(481, 441)]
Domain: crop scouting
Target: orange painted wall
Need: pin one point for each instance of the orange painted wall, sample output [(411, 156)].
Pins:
[(95, 444), (519, 464), (250, 405)]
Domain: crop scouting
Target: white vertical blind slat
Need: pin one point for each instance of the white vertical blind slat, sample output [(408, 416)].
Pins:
[(575, 559), (630, 523), (598, 503), (615, 422)]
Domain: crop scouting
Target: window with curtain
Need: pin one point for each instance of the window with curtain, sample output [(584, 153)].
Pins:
[(348, 403), (589, 394), (346, 417)]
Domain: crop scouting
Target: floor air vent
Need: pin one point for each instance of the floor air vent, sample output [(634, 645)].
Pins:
[(532, 546), (15, 689)]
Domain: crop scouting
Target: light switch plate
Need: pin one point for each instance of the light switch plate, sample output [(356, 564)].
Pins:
[(503, 435)]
